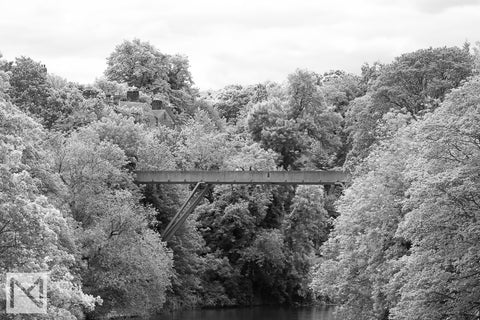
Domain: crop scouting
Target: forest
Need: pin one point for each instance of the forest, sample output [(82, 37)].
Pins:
[(400, 242)]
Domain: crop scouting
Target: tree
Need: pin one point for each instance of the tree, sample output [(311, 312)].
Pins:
[(181, 93), (28, 85), (297, 124), (36, 232), (405, 245), (305, 229), (201, 145), (126, 261), (440, 277), (141, 65), (59, 107), (179, 76), (413, 84), (269, 125), (417, 81), (231, 100), (138, 64), (361, 123), (339, 88), (4, 78), (358, 260), (110, 88)]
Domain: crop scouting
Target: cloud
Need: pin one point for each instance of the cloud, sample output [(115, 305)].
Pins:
[(436, 6), (233, 42)]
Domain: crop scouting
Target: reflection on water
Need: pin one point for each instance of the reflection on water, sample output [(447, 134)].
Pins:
[(253, 313)]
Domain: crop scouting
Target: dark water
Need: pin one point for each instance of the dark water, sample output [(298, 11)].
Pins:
[(253, 313)]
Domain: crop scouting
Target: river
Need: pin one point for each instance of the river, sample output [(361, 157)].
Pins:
[(253, 313)]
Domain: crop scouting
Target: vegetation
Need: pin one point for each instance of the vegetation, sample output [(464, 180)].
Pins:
[(401, 242)]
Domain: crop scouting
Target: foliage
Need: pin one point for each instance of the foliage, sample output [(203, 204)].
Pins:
[(126, 262), (28, 85), (413, 84), (138, 64), (141, 65), (401, 243), (339, 88), (440, 277), (300, 128), (405, 244), (35, 235), (110, 88), (4, 78), (305, 229), (201, 146), (231, 100)]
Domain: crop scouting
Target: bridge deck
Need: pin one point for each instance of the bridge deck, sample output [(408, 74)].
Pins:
[(243, 177)]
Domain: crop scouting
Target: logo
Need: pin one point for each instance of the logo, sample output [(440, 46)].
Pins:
[(26, 292)]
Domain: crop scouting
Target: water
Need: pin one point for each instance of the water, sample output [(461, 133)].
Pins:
[(253, 313)]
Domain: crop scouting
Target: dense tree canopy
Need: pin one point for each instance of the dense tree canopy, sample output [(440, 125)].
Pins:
[(298, 124), (35, 233), (413, 84), (400, 242), (406, 243)]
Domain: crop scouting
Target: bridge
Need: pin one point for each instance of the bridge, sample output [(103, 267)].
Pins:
[(243, 177), (203, 181)]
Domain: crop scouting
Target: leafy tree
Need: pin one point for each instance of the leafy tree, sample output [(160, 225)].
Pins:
[(413, 84), (339, 88), (268, 124), (404, 246), (305, 98), (229, 226), (307, 225), (56, 82), (141, 65), (265, 264), (298, 125), (138, 64), (359, 258), (370, 73), (181, 92), (59, 106), (230, 100), (249, 157), (361, 123), (28, 85), (110, 88), (4, 78), (201, 145), (179, 76), (305, 229), (417, 81), (126, 261), (36, 232), (439, 279)]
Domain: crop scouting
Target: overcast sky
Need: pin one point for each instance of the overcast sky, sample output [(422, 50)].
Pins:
[(227, 42)]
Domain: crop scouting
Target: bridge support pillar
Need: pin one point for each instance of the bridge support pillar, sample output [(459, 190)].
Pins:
[(187, 208)]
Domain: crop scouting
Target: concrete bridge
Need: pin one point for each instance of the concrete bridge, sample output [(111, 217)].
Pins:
[(243, 177), (203, 181)]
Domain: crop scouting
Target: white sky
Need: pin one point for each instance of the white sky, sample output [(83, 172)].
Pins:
[(228, 42)]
